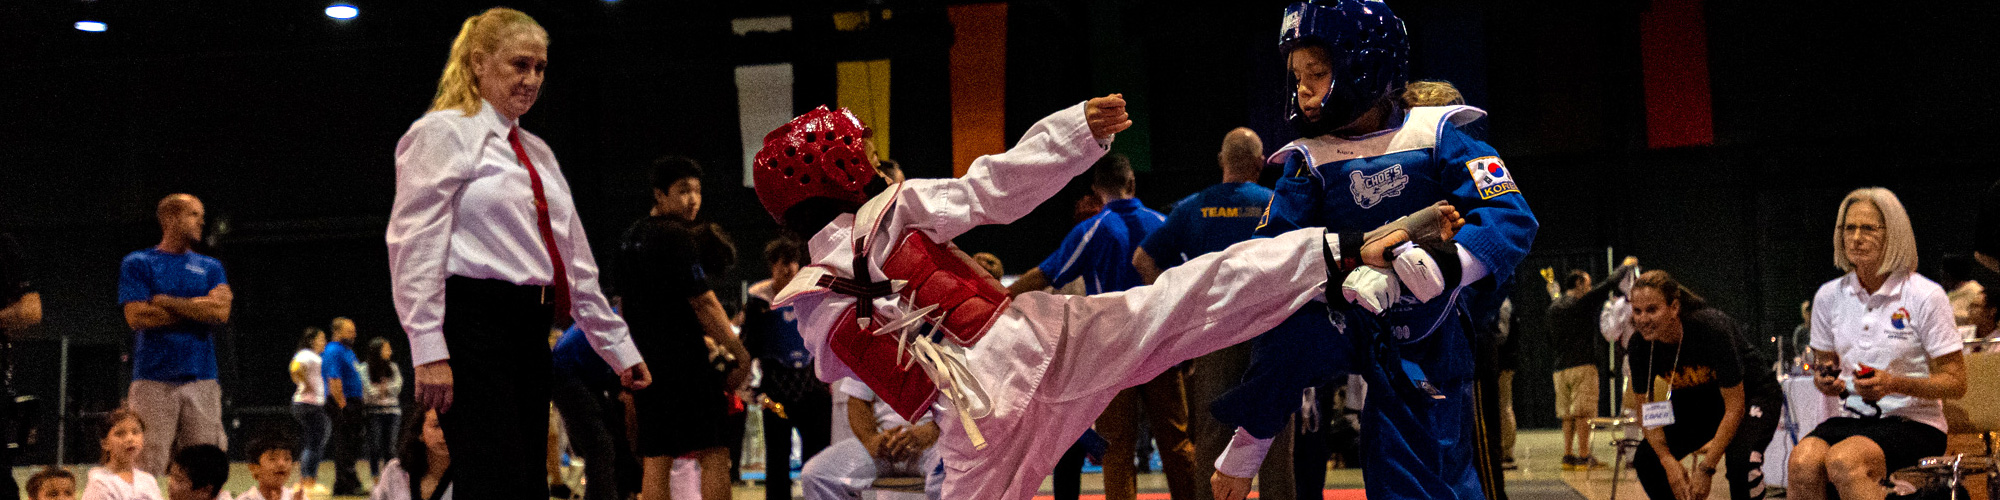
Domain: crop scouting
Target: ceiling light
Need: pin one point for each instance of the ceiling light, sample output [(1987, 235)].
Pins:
[(90, 26), (342, 12)]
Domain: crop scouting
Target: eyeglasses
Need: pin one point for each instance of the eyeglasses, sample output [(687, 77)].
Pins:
[(1865, 229)]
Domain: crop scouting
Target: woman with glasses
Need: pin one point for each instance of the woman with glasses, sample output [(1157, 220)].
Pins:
[(1884, 342), (1702, 390)]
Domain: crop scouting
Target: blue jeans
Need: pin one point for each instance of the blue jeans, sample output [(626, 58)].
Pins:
[(381, 443), (314, 425)]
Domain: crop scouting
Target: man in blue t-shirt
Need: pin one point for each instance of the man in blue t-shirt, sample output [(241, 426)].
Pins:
[(173, 299), (1208, 221), (585, 394), (1099, 251), (343, 382)]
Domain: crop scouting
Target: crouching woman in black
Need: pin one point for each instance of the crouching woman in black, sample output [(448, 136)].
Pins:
[(1724, 403)]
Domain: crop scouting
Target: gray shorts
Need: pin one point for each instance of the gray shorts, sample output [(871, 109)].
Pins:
[(176, 415)]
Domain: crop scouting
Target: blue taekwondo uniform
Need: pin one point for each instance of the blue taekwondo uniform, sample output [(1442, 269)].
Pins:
[(1416, 357)]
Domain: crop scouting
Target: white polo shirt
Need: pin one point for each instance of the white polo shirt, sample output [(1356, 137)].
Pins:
[(1900, 328)]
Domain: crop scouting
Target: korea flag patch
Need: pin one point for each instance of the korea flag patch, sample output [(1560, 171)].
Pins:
[(1491, 176)]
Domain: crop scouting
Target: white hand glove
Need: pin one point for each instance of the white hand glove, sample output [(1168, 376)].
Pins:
[(1420, 273), (1372, 288)]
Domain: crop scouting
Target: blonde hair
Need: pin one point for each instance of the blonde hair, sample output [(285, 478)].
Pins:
[(459, 88), (1899, 242), (1431, 93)]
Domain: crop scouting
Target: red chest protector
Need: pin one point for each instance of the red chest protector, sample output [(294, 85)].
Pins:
[(922, 273)]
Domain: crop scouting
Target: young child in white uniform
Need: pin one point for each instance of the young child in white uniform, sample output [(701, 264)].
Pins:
[(271, 465), (119, 478)]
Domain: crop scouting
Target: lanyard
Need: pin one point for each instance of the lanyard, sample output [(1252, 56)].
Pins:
[(1652, 361)]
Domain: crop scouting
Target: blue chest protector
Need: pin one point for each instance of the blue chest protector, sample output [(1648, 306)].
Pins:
[(1420, 440)]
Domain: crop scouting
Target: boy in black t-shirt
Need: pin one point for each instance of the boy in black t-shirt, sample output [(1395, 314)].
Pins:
[(669, 306), (1724, 407)]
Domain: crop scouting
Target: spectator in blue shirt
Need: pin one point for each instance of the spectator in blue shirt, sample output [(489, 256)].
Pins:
[(173, 299), (343, 383), (1099, 251), (586, 390), (1208, 221), (1214, 218)]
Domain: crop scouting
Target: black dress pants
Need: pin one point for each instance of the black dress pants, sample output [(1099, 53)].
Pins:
[(347, 423), (812, 416), (1069, 473), (498, 424)]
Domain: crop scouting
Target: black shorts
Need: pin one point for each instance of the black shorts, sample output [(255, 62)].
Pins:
[(1903, 441), (674, 422)]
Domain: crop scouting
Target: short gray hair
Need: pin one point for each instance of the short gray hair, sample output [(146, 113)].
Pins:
[(1899, 242)]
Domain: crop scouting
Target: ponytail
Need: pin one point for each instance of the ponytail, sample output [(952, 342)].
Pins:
[(1671, 290), (458, 88)]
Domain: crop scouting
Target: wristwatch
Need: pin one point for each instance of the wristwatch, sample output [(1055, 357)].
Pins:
[(1707, 469)]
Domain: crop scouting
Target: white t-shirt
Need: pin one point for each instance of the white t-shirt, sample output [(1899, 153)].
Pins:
[(106, 485), (255, 494), (1899, 328), (313, 391)]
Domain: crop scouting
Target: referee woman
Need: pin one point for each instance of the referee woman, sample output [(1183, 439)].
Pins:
[(485, 253)]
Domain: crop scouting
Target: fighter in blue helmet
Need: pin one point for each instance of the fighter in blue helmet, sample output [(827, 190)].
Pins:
[(1366, 158)]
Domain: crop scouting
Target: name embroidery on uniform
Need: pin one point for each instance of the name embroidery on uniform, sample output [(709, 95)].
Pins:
[(1370, 189), (1491, 177), (1251, 211), (196, 269)]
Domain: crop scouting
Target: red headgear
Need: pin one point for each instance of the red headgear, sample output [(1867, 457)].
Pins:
[(817, 155)]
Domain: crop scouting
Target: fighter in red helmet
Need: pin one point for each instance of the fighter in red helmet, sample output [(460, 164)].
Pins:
[(890, 301)]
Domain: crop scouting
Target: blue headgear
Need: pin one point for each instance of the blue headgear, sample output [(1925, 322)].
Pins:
[(1367, 48)]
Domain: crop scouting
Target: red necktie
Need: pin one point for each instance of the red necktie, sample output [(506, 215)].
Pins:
[(561, 284)]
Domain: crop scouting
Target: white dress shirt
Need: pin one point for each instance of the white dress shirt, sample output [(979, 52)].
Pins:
[(464, 208), (1900, 328)]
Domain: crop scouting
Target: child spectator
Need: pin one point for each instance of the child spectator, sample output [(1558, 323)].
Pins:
[(52, 483), (271, 465), (119, 478)]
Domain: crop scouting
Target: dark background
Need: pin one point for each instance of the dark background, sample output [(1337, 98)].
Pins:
[(283, 122)]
